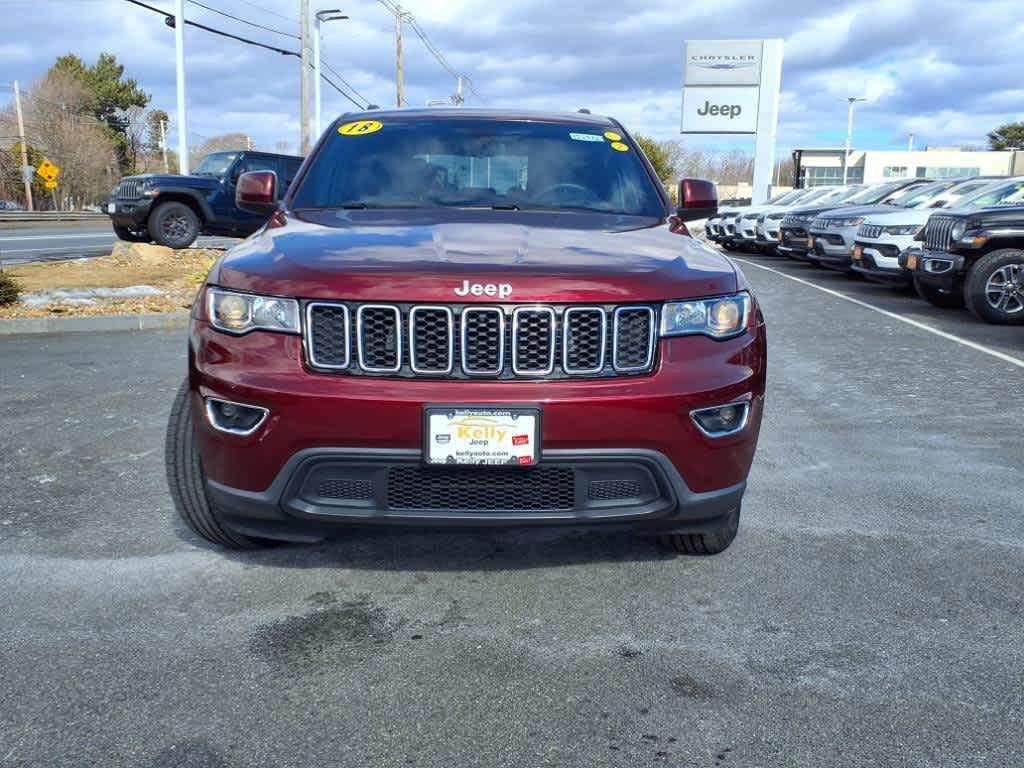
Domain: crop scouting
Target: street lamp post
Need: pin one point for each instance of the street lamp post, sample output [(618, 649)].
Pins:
[(332, 14), (851, 100)]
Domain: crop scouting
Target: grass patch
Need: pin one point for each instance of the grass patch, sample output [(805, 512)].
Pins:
[(9, 290)]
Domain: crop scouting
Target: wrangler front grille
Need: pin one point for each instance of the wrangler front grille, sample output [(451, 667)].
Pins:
[(937, 233), (472, 341), (129, 189)]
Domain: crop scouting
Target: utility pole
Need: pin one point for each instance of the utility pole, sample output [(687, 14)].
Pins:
[(304, 80), (457, 98), (851, 100), (26, 176), (163, 144), (179, 48), (399, 75), (910, 143), (332, 14)]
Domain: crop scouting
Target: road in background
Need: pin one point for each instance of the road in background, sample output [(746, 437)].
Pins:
[(868, 614), (36, 243)]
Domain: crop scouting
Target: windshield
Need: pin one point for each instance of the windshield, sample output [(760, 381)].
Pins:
[(455, 162), (1005, 193), (216, 164), (922, 196), (847, 194), (785, 197)]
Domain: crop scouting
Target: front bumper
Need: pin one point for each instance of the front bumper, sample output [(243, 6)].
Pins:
[(793, 242), (346, 431), (879, 260), (831, 248), (951, 275), (130, 214)]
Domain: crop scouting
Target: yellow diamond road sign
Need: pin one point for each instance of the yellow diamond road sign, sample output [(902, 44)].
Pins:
[(48, 170)]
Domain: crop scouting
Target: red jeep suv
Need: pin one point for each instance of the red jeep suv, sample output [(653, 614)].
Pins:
[(470, 318)]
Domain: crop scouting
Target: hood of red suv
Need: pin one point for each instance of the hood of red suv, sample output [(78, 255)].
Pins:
[(481, 256)]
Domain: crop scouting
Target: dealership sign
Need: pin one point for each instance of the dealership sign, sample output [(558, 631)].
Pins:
[(732, 86)]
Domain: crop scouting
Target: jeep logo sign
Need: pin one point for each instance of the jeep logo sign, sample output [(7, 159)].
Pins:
[(501, 290), (720, 109)]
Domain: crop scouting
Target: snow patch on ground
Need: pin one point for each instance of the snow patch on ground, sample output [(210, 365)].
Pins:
[(88, 295)]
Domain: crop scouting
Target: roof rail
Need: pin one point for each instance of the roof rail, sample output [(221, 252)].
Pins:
[(372, 106), (583, 111)]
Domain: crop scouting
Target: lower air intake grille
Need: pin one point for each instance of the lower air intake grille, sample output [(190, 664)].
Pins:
[(614, 490), (541, 489), (345, 489)]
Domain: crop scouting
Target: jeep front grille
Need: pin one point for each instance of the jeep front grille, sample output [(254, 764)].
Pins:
[(472, 341), (937, 233), (129, 189), (870, 231)]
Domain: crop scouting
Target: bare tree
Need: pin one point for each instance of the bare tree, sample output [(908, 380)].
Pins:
[(225, 142)]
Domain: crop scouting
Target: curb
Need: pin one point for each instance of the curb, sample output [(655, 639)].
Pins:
[(95, 324)]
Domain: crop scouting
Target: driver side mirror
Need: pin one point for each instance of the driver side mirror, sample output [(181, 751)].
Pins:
[(257, 192), (698, 199)]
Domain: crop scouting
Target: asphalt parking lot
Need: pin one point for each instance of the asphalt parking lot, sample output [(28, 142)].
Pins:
[(870, 612)]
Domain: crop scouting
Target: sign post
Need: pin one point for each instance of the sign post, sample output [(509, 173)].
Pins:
[(732, 87)]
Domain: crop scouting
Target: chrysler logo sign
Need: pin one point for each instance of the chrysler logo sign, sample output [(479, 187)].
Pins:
[(723, 62), (706, 63)]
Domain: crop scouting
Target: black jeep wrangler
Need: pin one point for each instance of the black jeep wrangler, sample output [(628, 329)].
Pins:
[(173, 210), (975, 258)]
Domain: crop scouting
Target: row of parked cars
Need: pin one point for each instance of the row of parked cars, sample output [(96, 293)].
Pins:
[(959, 242)]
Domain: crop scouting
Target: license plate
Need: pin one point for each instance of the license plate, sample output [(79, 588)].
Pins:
[(470, 435), (810, 243), (111, 208)]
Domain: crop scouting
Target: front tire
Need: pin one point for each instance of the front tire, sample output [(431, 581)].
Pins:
[(131, 235), (187, 481), (711, 542), (174, 225), (994, 288), (937, 297)]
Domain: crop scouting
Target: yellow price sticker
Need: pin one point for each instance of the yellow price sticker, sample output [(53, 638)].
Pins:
[(612, 136), (360, 128), (618, 146)]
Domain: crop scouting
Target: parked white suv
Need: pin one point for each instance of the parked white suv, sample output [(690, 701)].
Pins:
[(882, 237)]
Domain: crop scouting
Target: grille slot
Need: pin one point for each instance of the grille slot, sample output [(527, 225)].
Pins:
[(533, 341), (431, 340), (541, 489), (328, 337), (633, 347), (584, 339), (360, 490), (379, 338), (483, 341), (468, 341)]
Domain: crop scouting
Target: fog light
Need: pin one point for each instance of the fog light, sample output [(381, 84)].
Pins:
[(236, 418), (721, 420)]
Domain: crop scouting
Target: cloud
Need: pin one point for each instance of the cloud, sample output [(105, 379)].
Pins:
[(944, 69)]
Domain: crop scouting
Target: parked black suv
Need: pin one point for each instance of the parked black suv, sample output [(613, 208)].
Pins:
[(975, 258), (174, 210)]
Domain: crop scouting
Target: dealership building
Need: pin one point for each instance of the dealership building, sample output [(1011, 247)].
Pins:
[(816, 167)]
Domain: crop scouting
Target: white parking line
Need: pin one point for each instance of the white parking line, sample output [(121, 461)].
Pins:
[(917, 324)]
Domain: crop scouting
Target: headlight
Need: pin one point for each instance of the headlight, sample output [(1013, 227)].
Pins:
[(243, 312), (718, 318), (851, 222), (776, 216), (958, 230), (910, 229)]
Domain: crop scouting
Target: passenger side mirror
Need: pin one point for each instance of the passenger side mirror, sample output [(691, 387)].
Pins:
[(257, 192), (698, 199)]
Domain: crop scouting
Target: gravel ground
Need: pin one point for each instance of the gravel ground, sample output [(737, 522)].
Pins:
[(869, 613)]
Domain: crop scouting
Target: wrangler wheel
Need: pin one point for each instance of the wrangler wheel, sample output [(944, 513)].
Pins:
[(994, 288), (174, 225)]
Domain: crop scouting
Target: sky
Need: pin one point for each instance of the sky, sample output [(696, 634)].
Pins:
[(947, 70)]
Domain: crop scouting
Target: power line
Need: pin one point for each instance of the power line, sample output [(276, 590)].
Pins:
[(258, 7), (247, 41), (343, 80), (244, 21)]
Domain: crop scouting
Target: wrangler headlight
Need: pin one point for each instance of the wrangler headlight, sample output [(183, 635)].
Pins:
[(243, 312), (718, 318), (958, 230)]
